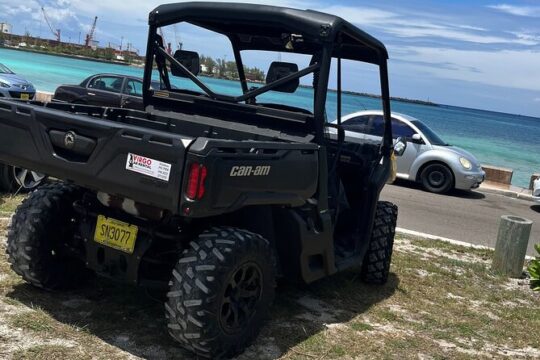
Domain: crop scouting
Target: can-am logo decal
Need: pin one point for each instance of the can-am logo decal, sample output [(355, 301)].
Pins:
[(250, 170), (151, 167)]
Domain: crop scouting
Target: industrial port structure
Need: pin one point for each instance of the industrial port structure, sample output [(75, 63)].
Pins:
[(88, 49)]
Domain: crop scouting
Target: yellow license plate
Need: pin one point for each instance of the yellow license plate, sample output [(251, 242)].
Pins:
[(116, 234), (25, 96)]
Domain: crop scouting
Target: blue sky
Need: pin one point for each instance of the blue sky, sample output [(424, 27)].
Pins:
[(479, 54)]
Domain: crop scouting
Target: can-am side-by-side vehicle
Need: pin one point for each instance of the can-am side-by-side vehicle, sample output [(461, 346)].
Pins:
[(209, 195)]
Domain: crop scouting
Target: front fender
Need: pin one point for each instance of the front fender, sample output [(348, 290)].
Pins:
[(450, 159)]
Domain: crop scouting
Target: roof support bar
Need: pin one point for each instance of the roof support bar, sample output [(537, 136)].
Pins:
[(246, 96)]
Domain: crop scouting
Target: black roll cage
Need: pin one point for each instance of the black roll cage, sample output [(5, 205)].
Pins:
[(247, 95), (330, 49)]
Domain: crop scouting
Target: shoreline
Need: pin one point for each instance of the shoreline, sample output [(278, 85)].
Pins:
[(113, 62), (69, 56)]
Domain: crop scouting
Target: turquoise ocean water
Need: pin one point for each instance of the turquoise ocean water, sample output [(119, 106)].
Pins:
[(494, 138)]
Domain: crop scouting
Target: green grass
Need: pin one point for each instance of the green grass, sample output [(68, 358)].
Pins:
[(360, 326), (441, 301), (50, 352), (9, 202)]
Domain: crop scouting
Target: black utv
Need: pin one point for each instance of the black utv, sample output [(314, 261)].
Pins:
[(210, 195)]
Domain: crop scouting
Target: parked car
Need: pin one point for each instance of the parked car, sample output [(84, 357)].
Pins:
[(111, 90), (428, 159), (536, 190), (13, 86), (12, 178)]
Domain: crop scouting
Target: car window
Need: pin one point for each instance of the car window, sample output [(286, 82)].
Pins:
[(376, 127), (400, 129), (358, 124), (5, 70), (134, 88), (107, 83)]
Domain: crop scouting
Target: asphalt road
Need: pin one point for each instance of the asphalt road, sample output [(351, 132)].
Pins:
[(472, 217)]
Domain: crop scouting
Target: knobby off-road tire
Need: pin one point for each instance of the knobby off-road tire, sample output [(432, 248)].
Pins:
[(40, 226), (376, 264), (226, 274)]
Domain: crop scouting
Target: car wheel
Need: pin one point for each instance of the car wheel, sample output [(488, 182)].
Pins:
[(13, 178), (437, 178)]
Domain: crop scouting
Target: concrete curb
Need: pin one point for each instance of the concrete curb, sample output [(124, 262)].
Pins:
[(508, 193), (425, 236)]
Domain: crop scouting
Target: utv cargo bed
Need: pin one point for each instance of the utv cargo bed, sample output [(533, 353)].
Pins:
[(141, 157)]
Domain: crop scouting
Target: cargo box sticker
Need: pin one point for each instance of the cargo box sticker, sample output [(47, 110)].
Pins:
[(143, 165)]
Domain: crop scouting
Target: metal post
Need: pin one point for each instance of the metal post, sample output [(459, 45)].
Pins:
[(511, 247)]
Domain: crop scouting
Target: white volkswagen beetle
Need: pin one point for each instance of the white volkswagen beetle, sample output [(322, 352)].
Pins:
[(428, 159)]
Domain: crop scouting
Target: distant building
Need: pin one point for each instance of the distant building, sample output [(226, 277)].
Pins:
[(5, 28)]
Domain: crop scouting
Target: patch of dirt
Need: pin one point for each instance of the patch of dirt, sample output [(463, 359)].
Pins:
[(317, 310), (264, 349)]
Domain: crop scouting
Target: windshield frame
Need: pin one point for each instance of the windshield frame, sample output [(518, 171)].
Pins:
[(3, 69)]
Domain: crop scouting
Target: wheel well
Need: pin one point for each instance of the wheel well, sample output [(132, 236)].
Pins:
[(419, 173)]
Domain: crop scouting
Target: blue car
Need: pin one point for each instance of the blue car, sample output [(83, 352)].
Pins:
[(14, 178), (14, 86)]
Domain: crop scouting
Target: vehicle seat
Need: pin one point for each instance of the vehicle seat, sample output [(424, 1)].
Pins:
[(117, 85), (100, 85)]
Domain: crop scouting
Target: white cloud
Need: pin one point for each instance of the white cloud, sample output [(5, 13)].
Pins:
[(527, 36), (530, 11), (404, 26), (506, 68), (469, 27), (536, 99), (10, 10), (119, 12), (457, 36)]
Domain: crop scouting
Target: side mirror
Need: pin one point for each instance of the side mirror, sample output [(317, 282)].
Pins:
[(417, 139), (399, 147), (190, 59), (279, 70)]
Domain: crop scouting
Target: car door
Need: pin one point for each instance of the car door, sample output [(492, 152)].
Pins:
[(105, 90), (356, 127), (132, 95), (402, 130)]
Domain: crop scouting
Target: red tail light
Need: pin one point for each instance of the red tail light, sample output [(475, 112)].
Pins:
[(195, 187)]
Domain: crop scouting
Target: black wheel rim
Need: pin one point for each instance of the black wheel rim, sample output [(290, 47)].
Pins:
[(241, 296), (436, 178)]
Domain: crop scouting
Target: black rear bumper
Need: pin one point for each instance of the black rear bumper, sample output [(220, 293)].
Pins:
[(101, 161)]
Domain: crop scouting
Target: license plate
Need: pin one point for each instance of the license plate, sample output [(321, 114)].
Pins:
[(116, 234), (25, 96)]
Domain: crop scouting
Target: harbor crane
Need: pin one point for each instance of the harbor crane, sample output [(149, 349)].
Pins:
[(90, 35), (57, 32), (169, 47)]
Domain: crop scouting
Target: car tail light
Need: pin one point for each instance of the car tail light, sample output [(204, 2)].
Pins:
[(195, 186)]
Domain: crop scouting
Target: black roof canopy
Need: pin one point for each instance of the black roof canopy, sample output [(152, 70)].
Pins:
[(273, 28)]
